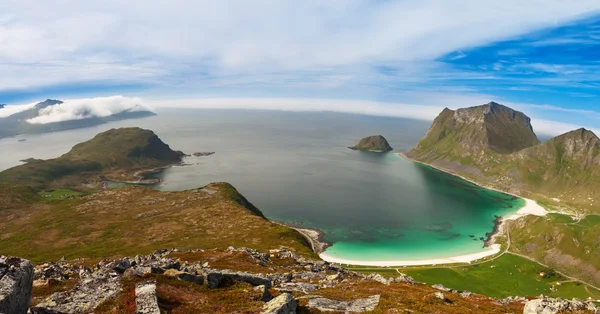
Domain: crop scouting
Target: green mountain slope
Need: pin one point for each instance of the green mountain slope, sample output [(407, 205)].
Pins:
[(496, 146), (117, 154)]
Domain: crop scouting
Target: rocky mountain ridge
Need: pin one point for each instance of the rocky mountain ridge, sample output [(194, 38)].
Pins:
[(496, 146)]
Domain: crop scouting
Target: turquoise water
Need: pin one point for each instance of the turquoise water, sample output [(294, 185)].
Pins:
[(296, 168)]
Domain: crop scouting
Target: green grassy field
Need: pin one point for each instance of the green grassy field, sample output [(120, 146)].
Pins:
[(59, 194), (508, 275)]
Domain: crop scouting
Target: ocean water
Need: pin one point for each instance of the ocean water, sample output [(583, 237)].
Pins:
[(297, 169)]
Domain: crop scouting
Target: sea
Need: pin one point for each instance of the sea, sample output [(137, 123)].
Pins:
[(296, 168)]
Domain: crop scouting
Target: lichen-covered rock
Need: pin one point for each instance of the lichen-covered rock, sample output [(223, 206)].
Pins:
[(298, 287), (146, 301), (377, 277), (263, 293), (545, 305), (216, 279), (355, 306), (283, 304), (93, 289), (16, 281)]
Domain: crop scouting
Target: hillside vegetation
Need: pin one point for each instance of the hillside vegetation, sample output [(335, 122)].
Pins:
[(137, 220), (116, 154), (496, 146)]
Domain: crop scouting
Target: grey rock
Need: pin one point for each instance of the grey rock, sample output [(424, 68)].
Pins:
[(216, 279), (545, 305), (405, 278), (298, 287), (440, 295), (146, 301), (278, 279), (355, 306), (465, 294), (378, 278), (86, 295), (16, 282), (265, 294), (307, 275), (441, 288), (283, 304)]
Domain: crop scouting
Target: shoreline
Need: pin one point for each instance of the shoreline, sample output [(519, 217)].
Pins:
[(314, 237), (530, 208), (460, 259)]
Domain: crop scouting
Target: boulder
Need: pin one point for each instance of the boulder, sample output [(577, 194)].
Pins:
[(85, 296), (298, 287), (16, 282), (440, 295), (379, 278), (355, 306), (146, 301), (217, 279), (283, 304), (545, 305), (184, 276), (263, 293)]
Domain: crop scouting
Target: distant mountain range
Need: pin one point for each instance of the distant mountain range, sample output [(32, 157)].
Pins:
[(17, 123), (496, 146)]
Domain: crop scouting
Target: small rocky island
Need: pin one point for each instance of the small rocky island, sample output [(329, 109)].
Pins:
[(202, 154), (374, 143)]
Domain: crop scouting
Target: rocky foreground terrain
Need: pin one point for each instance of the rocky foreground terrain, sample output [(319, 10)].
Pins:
[(236, 280)]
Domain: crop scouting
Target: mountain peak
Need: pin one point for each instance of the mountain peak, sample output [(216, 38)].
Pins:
[(2, 106), (47, 103), (469, 131)]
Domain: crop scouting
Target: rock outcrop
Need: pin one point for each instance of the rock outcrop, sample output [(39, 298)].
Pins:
[(546, 305), (355, 306), (283, 304), (16, 280), (146, 301), (374, 143)]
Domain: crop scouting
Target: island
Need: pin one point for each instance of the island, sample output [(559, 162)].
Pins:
[(202, 154), (373, 143)]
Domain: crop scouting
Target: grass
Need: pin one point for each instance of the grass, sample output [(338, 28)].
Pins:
[(561, 243), (508, 275), (59, 194), (138, 220)]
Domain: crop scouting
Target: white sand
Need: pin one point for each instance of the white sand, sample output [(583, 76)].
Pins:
[(492, 250), (530, 208)]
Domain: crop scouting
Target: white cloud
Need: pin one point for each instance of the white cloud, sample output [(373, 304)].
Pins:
[(419, 112), (554, 128), (77, 109), (10, 110), (224, 38), (429, 107)]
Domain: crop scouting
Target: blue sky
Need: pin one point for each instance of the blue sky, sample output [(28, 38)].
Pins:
[(383, 57)]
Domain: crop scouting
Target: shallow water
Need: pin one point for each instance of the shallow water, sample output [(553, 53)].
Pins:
[(296, 168)]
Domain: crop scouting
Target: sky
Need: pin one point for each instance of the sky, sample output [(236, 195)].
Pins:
[(398, 58)]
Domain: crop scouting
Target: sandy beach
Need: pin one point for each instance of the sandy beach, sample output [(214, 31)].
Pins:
[(492, 250), (530, 208)]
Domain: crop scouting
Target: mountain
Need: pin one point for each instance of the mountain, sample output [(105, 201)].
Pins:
[(17, 123), (2, 106), (376, 143), (496, 146), (117, 154)]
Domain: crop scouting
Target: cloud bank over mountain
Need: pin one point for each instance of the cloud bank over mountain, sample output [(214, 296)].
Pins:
[(85, 108)]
